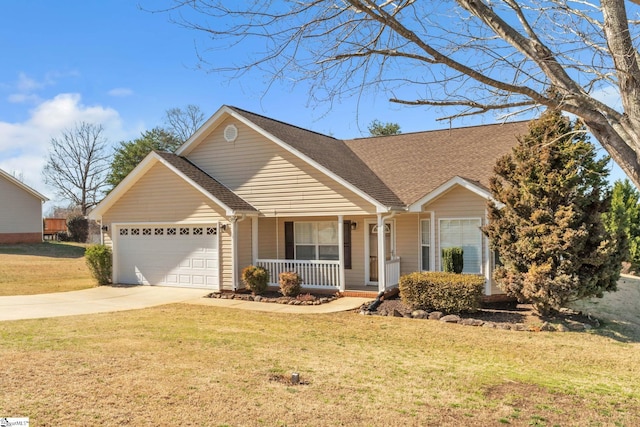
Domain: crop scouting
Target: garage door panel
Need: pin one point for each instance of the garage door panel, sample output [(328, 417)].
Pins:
[(168, 255)]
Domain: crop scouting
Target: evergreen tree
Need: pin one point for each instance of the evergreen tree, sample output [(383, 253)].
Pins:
[(548, 227), (624, 218), (130, 153)]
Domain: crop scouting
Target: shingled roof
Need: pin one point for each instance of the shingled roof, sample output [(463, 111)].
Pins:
[(329, 152), (400, 169), (207, 182), (414, 164)]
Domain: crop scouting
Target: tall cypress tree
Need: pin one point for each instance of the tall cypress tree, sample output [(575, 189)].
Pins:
[(547, 226)]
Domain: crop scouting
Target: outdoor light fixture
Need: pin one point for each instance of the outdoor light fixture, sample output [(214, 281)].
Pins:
[(105, 228), (223, 227), (354, 225)]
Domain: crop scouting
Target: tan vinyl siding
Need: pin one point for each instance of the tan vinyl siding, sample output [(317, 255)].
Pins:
[(458, 203), (20, 211), (408, 242), (244, 248), (268, 240), (162, 196), (270, 178), (355, 276)]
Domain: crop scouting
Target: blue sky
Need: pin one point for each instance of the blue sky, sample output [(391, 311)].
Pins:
[(110, 62)]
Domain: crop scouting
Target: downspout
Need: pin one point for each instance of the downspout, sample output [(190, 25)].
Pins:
[(382, 271), (234, 220)]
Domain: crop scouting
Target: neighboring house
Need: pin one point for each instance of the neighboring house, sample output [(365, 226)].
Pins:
[(348, 215), (20, 211)]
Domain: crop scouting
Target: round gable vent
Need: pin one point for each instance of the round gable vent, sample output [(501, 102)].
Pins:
[(230, 133)]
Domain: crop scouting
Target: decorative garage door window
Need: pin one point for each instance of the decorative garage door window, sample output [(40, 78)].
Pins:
[(169, 231)]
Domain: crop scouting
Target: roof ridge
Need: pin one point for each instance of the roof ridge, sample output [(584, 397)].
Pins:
[(282, 122), (438, 130)]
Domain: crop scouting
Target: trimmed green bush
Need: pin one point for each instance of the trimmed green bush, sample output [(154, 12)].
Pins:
[(99, 260), (256, 279), (290, 283), (452, 260), (441, 291)]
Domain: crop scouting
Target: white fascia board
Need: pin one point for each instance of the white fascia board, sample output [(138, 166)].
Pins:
[(23, 186), (456, 180), (204, 130), (218, 117)]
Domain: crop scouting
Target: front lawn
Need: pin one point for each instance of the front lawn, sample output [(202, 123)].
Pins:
[(199, 365), (39, 268)]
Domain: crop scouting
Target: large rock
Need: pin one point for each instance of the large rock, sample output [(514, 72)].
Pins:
[(419, 314), (436, 315), (450, 318)]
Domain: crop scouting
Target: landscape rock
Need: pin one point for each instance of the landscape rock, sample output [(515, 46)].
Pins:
[(450, 318), (436, 315), (419, 314)]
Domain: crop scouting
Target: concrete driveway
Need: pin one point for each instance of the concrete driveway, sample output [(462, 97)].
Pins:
[(105, 299), (101, 299)]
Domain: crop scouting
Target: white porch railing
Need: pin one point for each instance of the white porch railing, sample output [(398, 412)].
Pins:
[(314, 274), (392, 272)]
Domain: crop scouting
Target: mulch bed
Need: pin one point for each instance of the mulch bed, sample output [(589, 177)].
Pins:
[(276, 297)]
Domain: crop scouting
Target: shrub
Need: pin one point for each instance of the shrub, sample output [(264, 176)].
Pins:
[(99, 260), (447, 292), (290, 282), (255, 279), (78, 228), (452, 260), (63, 236)]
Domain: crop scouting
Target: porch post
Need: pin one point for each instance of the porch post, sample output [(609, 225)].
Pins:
[(382, 273), (254, 240), (233, 220), (341, 252)]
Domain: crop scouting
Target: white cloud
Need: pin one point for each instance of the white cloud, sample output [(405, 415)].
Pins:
[(24, 145), (120, 92)]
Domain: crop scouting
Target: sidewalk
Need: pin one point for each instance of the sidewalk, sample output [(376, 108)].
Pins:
[(340, 304), (104, 299)]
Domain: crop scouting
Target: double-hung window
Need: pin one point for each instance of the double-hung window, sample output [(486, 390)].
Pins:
[(425, 244), (316, 240), (464, 233)]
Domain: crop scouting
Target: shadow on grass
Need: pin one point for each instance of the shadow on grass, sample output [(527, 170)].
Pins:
[(45, 249)]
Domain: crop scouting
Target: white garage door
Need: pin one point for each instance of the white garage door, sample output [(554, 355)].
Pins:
[(168, 255)]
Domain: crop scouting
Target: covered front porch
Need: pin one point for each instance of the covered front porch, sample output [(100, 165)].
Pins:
[(330, 253)]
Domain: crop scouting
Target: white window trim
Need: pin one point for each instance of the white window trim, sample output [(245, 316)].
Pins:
[(482, 239), (432, 241), (316, 244)]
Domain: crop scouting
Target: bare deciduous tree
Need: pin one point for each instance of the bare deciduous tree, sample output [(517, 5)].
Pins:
[(184, 122), (77, 165), (471, 56)]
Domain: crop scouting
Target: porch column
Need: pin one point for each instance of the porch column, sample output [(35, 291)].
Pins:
[(233, 220), (382, 250), (341, 252), (254, 240)]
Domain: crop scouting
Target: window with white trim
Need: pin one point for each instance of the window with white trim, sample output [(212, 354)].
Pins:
[(464, 233), (425, 244), (316, 240)]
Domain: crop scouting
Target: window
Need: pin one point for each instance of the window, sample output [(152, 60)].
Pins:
[(425, 243), (316, 240), (464, 233)]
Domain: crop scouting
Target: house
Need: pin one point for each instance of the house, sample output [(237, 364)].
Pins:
[(20, 211), (348, 215)]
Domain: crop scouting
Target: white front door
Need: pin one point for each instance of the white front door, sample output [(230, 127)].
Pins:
[(184, 255)]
